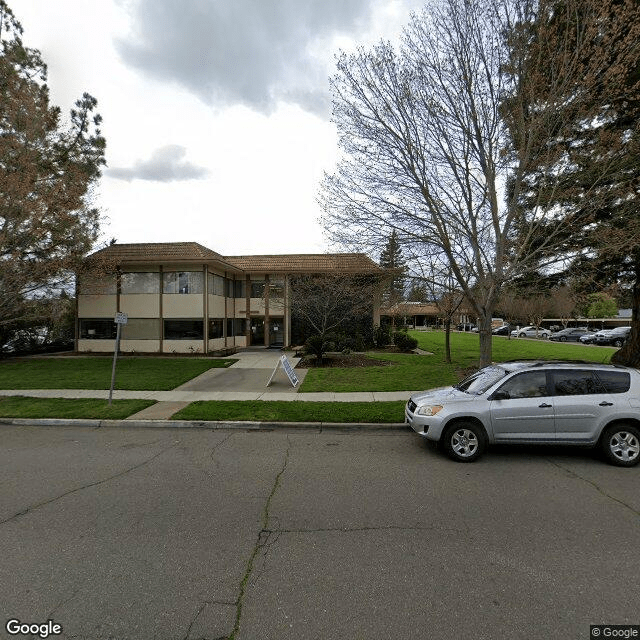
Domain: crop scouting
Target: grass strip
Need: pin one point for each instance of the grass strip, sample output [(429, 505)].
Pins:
[(294, 411), (406, 372), (89, 409), (94, 372), (410, 372)]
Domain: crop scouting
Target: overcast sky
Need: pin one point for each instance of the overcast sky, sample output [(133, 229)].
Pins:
[(216, 112)]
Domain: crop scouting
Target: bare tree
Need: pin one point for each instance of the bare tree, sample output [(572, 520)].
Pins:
[(328, 303), (428, 151)]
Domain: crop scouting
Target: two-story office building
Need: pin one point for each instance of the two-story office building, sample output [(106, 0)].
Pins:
[(181, 297)]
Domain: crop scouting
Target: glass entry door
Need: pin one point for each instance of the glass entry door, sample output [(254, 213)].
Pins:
[(257, 331), (276, 332)]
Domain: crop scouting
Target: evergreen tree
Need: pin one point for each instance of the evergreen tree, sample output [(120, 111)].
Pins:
[(582, 63), (47, 169), (391, 258)]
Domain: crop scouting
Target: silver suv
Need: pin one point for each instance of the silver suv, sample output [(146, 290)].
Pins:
[(541, 402)]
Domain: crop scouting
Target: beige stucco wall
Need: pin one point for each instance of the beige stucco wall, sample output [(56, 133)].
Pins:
[(140, 346), (96, 306), (257, 306), (216, 307), (182, 346), (182, 305), (97, 346), (140, 305)]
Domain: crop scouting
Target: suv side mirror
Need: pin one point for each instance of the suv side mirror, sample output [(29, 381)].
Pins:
[(499, 395)]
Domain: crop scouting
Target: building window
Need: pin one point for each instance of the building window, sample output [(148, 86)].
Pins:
[(216, 328), (97, 329), (216, 285), (183, 282), (141, 329), (257, 288), (276, 289), (183, 330), (140, 282), (236, 326), (240, 289), (94, 286)]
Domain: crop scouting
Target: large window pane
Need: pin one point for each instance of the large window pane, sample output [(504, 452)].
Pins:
[(240, 289), (216, 328), (141, 329), (216, 285), (257, 289), (183, 330), (94, 286), (140, 282), (183, 282), (97, 329)]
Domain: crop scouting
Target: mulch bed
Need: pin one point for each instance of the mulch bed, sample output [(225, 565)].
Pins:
[(342, 360)]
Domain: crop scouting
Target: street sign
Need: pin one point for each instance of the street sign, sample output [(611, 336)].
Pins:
[(121, 318)]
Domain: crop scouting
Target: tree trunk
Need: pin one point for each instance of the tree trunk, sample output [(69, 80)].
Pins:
[(484, 329), (629, 355)]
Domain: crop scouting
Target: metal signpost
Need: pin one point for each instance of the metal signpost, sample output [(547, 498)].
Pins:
[(120, 319)]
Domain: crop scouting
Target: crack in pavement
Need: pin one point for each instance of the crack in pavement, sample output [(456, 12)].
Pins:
[(390, 527), (595, 486), (33, 507), (262, 540)]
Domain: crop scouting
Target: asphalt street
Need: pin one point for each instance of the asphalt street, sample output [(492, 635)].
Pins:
[(170, 534)]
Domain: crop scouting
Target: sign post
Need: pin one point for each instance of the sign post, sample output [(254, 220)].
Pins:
[(120, 319)]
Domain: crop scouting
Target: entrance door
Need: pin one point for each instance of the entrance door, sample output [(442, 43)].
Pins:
[(257, 331), (276, 332)]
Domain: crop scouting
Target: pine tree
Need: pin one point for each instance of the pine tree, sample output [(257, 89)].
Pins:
[(47, 169), (391, 258)]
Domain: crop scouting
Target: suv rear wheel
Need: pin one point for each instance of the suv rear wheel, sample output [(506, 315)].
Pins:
[(621, 444), (464, 441)]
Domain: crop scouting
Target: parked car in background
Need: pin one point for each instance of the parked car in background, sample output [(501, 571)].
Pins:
[(542, 402), (615, 337), (531, 332), (569, 335), (587, 338), (502, 331)]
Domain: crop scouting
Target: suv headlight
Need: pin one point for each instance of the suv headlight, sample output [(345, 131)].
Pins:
[(429, 409)]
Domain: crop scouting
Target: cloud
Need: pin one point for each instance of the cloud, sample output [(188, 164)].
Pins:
[(249, 52), (166, 164)]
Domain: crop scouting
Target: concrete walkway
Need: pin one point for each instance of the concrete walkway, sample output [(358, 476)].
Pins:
[(244, 380)]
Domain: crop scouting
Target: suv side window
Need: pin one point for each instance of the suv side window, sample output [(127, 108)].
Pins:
[(531, 384), (576, 383), (615, 381)]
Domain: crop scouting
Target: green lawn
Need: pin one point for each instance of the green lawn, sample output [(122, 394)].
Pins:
[(412, 372), (295, 411), (21, 407), (94, 372)]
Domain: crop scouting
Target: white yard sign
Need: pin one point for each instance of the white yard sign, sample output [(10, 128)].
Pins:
[(288, 369)]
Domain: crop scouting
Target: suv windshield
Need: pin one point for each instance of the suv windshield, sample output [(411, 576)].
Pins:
[(479, 382)]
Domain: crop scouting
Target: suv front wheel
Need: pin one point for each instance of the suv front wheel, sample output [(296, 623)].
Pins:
[(621, 444), (464, 441)]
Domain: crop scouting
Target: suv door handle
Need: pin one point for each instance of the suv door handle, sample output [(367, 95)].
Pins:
[(544, 405), (604, 403)]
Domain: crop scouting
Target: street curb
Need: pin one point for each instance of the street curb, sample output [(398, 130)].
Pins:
[(202, 424)]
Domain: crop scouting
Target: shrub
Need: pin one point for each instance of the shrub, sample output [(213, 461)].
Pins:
[(382, 335), (404, 341)]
